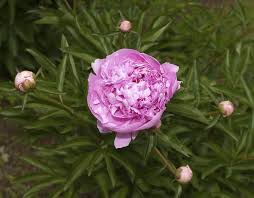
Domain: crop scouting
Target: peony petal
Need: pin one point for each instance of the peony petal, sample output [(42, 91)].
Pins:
[(134, 135), (122, 140), (169, 68), (152, 123), (151, 60), (102, 128), (96, 65)]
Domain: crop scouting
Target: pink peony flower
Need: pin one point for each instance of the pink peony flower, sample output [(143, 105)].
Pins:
[(184, 174), (128, 92), (226, 108)]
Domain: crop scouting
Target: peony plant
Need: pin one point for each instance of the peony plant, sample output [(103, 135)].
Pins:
[(105, 80)]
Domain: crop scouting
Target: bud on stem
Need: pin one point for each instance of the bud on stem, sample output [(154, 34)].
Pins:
[(25, 81)]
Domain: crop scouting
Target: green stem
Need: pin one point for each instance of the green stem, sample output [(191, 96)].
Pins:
[(167, 162)]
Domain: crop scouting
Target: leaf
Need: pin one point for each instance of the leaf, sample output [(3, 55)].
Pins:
[(59, 113), (124, 162), (178, 191), (194, 114), (49, 91), (77, 142), (246, 62), (111, 170), (32, 177), (11, 113), (231, 93), (243, 167), (82, 55), (102, 181), (89, 38), (226, 130), (12, 9), (78, 170), (121, 193), (46, 100), (214, 122), (43, 124), (62, 68), (42, 185), (196, 82), (38, 164), (149, 147), (97, 158), (218, 150), (243, 142), (73, 68), (43, 61), (174, 143), (187, 111), (141, 22), (52, 20), (57, 193), (155, 33), (24, 102), (248, 92), (211, 170)]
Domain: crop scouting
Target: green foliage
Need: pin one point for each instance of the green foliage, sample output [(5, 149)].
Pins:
[(214, 52), (18, 32)]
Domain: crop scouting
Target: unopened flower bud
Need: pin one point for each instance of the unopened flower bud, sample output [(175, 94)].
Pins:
[(125, 26), (226, 108), (25, 81), (184, 174)]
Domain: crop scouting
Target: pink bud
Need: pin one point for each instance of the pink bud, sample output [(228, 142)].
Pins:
[(184, 174), (226, 108), (125, 26), (25, 80)]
